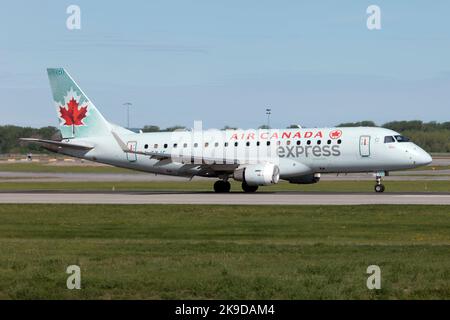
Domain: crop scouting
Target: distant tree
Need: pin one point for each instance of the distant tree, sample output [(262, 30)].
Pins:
[(151, 128), (174, 128), (294, 126), (264, 126), (365, 123), (432, 136), (229, 128), (400, 126), (9, 138), (446, 125), (431, 141)]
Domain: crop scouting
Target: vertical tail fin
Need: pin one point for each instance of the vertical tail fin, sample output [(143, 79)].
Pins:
[(78, 117)]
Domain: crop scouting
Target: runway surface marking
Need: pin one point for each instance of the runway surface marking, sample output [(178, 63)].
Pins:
[(232, 198)]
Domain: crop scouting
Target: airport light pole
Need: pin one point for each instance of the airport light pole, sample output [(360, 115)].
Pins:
[(128, 105), (268, 113)]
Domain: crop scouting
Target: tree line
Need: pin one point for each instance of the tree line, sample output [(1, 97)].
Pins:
[(432, 136), (9, 138)]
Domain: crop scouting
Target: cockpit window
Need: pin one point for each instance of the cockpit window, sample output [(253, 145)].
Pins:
[(402, 139), (389, 139)]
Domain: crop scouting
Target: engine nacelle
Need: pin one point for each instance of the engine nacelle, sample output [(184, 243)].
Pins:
[(306, 179), (258, 174)]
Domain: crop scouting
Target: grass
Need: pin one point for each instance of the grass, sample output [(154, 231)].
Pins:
[(431, 168), (206, 185), (89, 168), (66, 168), (224, 252)]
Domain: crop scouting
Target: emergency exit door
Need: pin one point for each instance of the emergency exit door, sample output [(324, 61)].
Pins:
[(131, 146), (364, 146)]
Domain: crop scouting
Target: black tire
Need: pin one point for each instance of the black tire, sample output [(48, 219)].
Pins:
[(248, 188), (218, 186), (379, 188), (227, 186), (221, 186)]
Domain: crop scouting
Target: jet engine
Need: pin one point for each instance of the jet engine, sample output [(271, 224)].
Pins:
[(258, 174), (306, 179)]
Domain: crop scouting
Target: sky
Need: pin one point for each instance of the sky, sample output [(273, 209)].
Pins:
[(314, 63)]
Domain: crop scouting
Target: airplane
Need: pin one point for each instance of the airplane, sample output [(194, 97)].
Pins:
[(255, 158)]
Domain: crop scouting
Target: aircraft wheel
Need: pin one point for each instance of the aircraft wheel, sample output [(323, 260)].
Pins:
[(379, 188), (227, 186), (221, 186), (248, 188)]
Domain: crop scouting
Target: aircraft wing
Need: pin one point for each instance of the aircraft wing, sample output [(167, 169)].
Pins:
[(59, 144)]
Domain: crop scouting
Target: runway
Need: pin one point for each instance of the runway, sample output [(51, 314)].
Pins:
[(262, 198), (441, 175)]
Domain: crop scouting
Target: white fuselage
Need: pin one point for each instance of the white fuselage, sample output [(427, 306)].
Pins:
[(297, 152)]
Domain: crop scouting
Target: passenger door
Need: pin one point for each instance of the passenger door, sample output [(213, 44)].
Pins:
[(364, 146), (132, 157)]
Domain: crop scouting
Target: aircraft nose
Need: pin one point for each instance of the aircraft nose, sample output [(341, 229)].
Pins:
[(423, 158)]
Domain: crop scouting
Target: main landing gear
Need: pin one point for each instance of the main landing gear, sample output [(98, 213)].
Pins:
[(222, 186), (248, 188), (379, 187)]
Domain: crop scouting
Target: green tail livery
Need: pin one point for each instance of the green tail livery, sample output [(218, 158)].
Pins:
[(78, 116)]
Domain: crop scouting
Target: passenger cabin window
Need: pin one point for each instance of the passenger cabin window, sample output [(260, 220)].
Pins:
[(257, 143), (389, 139), (248, 143), (185, 145), (155, 146), (165, 146), (339, 141), (298, 142), (235, 144), (401, 139), (146, 146), (268, 143)]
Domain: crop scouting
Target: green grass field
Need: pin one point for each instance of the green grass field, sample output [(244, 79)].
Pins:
[(89, 168), (206, 185), (224, 252), (66, 168), (431, 168)]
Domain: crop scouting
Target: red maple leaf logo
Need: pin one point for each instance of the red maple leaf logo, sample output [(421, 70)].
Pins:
[(73, 115), (335, 134)]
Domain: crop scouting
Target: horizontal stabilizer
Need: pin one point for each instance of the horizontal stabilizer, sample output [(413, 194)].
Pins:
[(59, 144)]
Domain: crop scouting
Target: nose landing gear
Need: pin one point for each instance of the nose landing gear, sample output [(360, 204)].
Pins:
[(379, 187)]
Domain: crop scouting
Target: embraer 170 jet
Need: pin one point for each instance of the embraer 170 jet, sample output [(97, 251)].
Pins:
[(254, 157)]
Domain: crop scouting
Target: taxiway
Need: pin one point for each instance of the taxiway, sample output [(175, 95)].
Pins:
[(262, 198)]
